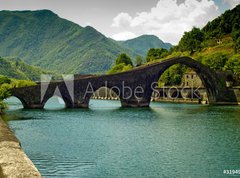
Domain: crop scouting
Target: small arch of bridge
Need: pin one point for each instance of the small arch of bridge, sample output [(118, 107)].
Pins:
[(58, 98)]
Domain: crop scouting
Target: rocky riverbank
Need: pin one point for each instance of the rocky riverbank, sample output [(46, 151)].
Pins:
[(13, 161)]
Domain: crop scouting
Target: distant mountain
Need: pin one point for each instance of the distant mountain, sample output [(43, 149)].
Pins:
[(41, 38), (142, 44), (16, 68)]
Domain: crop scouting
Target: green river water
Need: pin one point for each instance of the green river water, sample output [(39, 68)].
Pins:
[(165, 140)]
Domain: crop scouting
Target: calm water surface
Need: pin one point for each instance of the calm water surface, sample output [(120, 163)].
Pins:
[(165, 140)]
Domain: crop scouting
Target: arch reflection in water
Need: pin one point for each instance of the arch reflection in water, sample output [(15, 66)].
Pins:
[(54, 103), (96, 103), (100, 97), (14, 103)]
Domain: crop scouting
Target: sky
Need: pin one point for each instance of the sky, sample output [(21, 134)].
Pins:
[(127, 19)]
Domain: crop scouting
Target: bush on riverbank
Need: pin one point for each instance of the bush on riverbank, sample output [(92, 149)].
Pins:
[(3, 106), (6, 84)]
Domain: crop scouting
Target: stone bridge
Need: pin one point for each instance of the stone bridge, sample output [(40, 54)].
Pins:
[(133, 87)]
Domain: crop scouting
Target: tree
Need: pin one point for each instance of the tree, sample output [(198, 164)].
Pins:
[(233, 65), (215, 61), (5, 86), (173, 75), (123, 63), (191, 41), (222, 25), (139, 61), (125, 59), (4, 79), (4, 91), (155, 54), (236, 37)]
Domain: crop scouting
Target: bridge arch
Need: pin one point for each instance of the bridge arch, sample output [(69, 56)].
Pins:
[(66, 101), (105, 93), (60, 103), (20, 100), (208, 77), (101, 92)]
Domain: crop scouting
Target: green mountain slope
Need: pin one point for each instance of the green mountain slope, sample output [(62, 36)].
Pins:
[(142, 44), (43, 39), (16, 68)]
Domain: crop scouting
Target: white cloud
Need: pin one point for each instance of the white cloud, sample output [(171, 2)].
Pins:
[(124, 36), (121, 19), (88, 24), (169, 20), (232, 3)]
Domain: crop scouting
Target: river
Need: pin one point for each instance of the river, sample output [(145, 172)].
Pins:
[(165, 140)]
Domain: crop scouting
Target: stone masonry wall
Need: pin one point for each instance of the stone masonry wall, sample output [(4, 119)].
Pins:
[(13, 161)]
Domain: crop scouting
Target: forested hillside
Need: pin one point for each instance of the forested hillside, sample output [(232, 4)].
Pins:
[(142, 44), (43, 39), (16, 68)]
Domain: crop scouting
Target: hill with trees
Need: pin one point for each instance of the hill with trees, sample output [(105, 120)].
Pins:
[(43, 39), (142, 44), (16, 68)]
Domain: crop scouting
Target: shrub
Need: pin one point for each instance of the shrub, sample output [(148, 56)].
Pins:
[(233, 65), (215, 61)]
